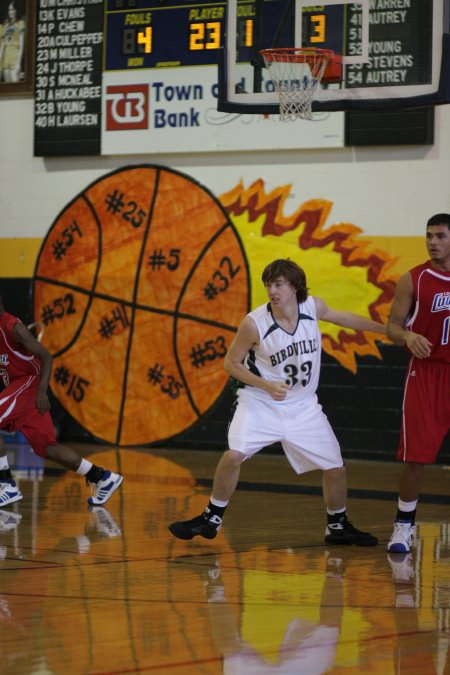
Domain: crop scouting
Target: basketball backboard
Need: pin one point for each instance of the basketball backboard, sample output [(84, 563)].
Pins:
[(395, 53)]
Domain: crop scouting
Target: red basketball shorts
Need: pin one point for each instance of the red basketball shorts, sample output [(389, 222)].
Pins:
[(18, 412), (426, 410)]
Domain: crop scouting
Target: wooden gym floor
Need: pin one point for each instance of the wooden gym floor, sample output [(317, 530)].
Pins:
[(110, 591)]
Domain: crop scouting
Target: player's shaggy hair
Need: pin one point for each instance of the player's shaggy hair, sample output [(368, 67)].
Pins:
[(283, 267)]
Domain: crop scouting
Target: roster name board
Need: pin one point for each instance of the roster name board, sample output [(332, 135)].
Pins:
[(400, 46), (69, 44)]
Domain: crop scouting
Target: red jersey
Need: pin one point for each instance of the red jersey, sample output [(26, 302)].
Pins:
[(15, 362), (431, 313)]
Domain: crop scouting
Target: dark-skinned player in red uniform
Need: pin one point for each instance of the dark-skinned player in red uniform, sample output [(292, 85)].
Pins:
[(420, 320), (25, 369)]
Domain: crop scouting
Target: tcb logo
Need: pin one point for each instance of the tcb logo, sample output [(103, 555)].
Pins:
[(127, 107)]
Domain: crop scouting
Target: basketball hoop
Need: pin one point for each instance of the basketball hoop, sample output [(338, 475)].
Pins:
[(296, 73)]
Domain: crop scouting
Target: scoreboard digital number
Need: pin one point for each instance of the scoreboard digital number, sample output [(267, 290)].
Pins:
[(145, 34)]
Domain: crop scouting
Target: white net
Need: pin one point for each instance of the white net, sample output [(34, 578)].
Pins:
[(296, 74)]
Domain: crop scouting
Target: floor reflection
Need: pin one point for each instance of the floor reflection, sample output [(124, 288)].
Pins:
[(284, 623), (108, 590)]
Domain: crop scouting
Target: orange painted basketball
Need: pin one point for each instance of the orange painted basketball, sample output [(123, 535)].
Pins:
[(141, 283)]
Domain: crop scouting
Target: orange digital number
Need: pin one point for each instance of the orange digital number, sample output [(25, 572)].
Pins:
[(204, 35), (145, 38), (249, 33), (319, 25)]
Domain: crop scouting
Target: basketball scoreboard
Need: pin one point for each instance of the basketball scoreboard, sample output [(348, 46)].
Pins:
[(106, 68), (155, 35), (141, 34)]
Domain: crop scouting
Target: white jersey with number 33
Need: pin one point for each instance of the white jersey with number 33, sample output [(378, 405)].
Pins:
[(292, 357)]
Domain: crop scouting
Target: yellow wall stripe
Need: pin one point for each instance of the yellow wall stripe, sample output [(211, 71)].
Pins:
[(18, 255)]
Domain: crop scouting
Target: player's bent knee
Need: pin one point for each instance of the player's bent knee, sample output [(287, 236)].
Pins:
[(235, 457), (335, 471)]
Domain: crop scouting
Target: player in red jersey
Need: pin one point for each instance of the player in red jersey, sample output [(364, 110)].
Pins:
[(420, 320), (25, 369)]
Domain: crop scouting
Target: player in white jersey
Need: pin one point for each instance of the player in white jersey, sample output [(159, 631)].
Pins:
[(275, 358)]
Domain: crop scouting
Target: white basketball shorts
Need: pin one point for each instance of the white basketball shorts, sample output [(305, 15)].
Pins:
[(302, 428)]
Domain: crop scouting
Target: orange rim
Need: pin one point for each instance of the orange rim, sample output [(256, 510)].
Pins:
[(296, 54)]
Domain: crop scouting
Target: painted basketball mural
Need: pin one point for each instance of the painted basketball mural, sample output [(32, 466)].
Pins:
[(144, 277), (141, 283)]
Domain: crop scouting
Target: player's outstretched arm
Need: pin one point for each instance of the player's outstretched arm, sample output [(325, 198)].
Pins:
[(347, 319)]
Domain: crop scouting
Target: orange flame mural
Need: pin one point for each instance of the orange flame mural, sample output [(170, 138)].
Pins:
[(346, 271)]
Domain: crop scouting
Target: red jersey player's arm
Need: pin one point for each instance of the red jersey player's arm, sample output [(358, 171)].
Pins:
[(24, 338), (417, 344)]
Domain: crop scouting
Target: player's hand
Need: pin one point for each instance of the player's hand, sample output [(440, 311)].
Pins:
[(278, 389), (418, 345), (42, 402)]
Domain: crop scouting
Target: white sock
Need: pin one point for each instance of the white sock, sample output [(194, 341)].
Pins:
[(217, 502), (4, 463), (334, 513), (84, 467), (407, 507)]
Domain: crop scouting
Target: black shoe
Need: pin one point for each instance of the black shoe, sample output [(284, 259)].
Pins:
[(204, 525), (345, 533)]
